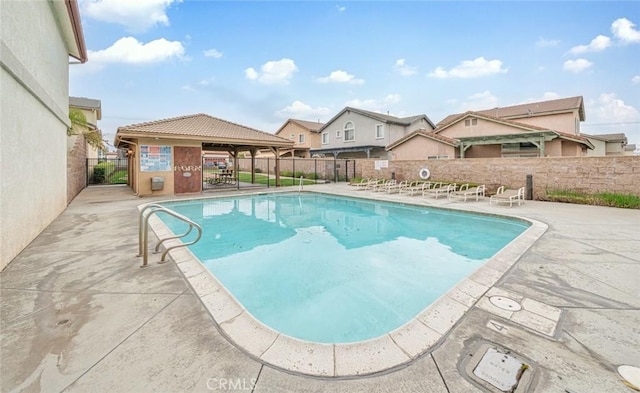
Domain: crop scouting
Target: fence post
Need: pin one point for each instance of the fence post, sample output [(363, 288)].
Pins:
[(529, 188)]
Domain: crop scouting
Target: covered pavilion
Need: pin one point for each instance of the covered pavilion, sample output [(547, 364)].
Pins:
[(165, 156)]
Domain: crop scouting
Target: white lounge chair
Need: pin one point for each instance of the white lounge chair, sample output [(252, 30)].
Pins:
[(416, 187), (397, 187), (508, 196), (384, 185), (437, 191), (465, 192)]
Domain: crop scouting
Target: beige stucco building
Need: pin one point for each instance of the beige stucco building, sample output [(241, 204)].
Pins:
[(304, 135), (36, 40), (539, 129)]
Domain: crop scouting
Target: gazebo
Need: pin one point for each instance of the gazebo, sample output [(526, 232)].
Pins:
[(165, 156)]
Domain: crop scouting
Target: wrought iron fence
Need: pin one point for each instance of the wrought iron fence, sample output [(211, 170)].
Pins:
[(107, 171)]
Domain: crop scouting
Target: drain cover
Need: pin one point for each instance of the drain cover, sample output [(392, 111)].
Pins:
[(505, 303), (630, 375)]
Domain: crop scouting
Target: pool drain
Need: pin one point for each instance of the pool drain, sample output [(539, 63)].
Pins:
[(630, 376), (505, 303)]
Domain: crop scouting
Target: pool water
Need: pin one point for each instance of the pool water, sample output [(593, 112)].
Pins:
[(333, 269)]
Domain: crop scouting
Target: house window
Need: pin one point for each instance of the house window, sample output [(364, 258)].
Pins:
[(325, 138), (292, 137), (379, 131), (470, 122), (349, 132), (338, 134), (300, 138)]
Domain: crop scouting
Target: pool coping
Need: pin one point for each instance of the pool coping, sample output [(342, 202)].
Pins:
[(395, 349)]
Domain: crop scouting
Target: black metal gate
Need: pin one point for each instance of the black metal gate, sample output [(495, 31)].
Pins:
[(107, 171)]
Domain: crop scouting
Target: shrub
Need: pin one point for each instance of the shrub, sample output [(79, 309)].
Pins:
[(286, 173), (627, 201), (102, 170), (258, 170)]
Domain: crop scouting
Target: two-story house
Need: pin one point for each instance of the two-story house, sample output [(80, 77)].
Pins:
[(538, 129), (303, 133), (357, 133)]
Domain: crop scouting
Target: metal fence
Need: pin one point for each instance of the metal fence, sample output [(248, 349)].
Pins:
[(107, 171), (312, 170)]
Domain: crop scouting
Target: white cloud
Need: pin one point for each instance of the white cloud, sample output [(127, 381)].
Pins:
[(341, 8), (577, 65), (471, 69), (340, 76), (544, 43), (131, 51), (137, 16), (403, 69), (610, 109), (375, 105), (300, 110), (635, 79), (273, 72), (212, 53), (623, 29), (597, 44), (479, 101)]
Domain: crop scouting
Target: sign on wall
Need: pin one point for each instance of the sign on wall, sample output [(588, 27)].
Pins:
[(155, 158)]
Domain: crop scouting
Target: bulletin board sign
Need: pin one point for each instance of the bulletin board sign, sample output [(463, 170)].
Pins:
[(155, 158)]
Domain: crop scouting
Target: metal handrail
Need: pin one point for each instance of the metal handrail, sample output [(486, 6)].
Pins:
[(143, 232), (301, 184)]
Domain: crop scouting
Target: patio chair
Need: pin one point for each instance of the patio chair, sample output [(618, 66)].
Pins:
[(508, 196), (441, 190), (465, 192), (415, 187), (397, 186), (384, 185), (362, 185)]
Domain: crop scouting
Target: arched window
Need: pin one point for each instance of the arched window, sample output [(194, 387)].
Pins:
[(349, 132)]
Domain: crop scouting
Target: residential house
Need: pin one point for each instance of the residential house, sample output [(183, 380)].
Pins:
[(304, 135), (82, 156), (538, 129), (608, 144), (357, 133), (92, 110), (38, 40)]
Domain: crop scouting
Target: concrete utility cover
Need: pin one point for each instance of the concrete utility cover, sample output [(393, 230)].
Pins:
[(505, 303), (631, 375), (499, 369)]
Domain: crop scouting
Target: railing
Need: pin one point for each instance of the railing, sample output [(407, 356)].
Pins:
[(301, 184), (143, 232)]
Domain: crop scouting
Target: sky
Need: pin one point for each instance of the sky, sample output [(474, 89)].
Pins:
[(259, 63)]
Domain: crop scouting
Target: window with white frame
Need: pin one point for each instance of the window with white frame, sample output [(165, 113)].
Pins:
[(470, 122), (338, 134), (300, 138), (379, 131), (349, 132), (325, 138)]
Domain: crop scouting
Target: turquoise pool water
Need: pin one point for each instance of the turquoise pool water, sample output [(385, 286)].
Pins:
[(332, 269)]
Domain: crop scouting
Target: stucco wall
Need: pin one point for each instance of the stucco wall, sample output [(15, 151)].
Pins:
[(563, 122), (619, 174), (422, 147), (33, 123)]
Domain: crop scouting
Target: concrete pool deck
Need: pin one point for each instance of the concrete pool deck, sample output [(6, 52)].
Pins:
[(77, 313)]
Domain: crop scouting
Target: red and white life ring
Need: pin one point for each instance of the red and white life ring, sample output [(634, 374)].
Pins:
[(424, 173)]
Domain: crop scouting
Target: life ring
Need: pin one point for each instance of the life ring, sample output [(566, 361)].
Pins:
[(424, 173)]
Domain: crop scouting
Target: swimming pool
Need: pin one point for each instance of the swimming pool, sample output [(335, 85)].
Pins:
[(331, 269)]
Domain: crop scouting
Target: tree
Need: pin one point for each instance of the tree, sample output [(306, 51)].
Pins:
[(79, 125)]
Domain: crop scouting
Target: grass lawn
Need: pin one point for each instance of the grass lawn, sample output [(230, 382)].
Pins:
[(118, 177), (262, 179)]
